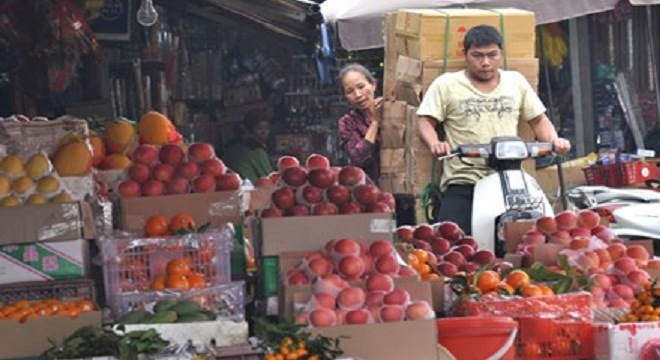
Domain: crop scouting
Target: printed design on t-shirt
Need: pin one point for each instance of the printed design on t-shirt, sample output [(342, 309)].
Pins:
[(475, 107)]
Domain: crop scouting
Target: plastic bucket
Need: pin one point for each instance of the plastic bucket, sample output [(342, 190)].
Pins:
[(478, 338)]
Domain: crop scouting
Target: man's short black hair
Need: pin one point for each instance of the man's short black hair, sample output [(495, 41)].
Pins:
[(482, 35)]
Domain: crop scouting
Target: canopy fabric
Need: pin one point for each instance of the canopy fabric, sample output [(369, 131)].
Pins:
[(360, 22)]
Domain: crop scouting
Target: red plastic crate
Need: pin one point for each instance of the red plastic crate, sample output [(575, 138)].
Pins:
[(554, 339), (619, 174), (130, 264)]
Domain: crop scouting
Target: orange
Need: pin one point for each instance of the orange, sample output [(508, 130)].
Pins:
[(29, 316), (517, 279), (73, 313), (505, 288), (424, 269), (177, 282), (7, 309), (120, 137), (420, 254), (531, 291), (158, 283), (430, 277), (154, 128), (196, 280), (179, 266), (488, 280), (85, 305), (413, 261), (15, 315), (546, 290), (157, 225), (44, 311), (531, 350), (182, 221), (21, 303)]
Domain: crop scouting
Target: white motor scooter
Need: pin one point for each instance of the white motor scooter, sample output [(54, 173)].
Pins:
[(509, 194)]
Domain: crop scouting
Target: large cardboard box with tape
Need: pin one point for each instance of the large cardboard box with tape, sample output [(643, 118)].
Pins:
[(427, 34)]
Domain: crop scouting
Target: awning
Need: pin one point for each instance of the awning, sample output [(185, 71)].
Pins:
[(360, 22)]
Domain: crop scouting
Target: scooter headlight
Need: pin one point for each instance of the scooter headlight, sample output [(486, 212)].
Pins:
[(511, 150)]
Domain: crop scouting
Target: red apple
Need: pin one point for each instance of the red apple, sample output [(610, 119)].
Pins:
[(163, 172), (204, 183), (294, 176), (200, 152), (349, 208), (440, 246), (153, 188), (297, 210), (188, 170), (322, 178), (171, 154), (450, 231), (338, 194), (178, 186), (405, 233), (138, 172), (129, 189), (270, 212), (284, 198), (145, 154), (316, 161), (324, 209), (351, 176), (285, 162), (228, 182), (378, 207), (214, 167), (387, 199), (424, 232), (366, 194)]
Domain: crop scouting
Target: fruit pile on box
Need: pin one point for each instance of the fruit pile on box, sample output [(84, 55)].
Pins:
[(319, 189)]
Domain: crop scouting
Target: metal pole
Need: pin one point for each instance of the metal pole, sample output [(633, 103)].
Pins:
[(551, 114), (656, 81)]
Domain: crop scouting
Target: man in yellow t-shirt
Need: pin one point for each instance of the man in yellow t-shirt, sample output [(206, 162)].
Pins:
[(475, 105)]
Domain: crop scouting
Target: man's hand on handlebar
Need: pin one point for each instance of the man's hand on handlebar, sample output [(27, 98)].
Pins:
[(440, 148), (561, 146)]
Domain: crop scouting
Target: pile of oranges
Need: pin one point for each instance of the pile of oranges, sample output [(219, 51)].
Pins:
[(422, 261), (178, 276), (290, 350), (516, 282), (23, 310), (160, 225), (646, 306)]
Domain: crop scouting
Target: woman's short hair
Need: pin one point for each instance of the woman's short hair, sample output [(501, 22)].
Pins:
[(357, 68)]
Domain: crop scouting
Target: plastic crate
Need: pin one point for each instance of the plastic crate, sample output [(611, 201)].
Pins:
[(43, 290), (240, 352), (227, 300), (619, 174), (554, 339), (130, 264)]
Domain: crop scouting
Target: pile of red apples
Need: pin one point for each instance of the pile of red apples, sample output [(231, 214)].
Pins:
[(616, 269), (170, 169), (336, 302), (320, 189), (450, 250)]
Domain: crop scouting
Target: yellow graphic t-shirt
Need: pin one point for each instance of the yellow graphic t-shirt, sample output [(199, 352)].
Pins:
[(470, 116)]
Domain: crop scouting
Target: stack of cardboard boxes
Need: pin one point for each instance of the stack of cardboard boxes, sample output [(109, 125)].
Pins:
[(420, 45)]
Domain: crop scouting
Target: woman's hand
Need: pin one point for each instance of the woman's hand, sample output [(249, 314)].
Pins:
[(376, 115)]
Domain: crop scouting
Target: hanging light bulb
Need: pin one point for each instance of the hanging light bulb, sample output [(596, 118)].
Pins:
[(147, 14)]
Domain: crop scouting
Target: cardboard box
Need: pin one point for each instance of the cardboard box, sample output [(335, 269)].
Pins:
[(24, 138), (623, 341), (259, 198), (393, 129), (43, 261), (393, 160), (33, 337), (398, 340), (394, 182), (423, 33), (389, 62), (46, 222), (218, 208), (278, 235)]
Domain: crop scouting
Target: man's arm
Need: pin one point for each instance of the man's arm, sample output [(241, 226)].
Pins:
[(545, 131), (426, 132)]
